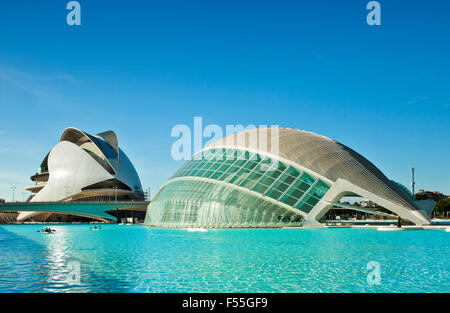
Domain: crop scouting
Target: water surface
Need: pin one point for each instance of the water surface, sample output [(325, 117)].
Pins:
[(141, 259)]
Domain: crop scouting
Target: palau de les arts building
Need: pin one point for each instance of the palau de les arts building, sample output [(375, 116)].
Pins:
[(237, 182), (82, 169)]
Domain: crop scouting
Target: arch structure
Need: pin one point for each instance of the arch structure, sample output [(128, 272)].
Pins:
[(82, 168), (274, 177)]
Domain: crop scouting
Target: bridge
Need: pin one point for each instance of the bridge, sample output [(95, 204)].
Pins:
[(95, 210)]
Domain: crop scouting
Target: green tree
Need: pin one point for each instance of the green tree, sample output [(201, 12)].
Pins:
[(442, 206), (423, 196)]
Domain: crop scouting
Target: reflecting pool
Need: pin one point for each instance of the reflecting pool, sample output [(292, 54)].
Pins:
[(136, 258)]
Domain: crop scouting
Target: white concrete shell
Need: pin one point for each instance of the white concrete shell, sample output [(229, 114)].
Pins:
[(80, 160), (83, 165), (71, 169)]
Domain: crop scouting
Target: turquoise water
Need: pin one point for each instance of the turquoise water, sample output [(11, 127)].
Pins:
[(140, 259)]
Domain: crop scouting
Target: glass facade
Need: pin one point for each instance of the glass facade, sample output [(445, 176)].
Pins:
[(194, 203), (258, 173), (191, 202)]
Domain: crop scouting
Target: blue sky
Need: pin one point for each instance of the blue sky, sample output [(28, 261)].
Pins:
[(142, 67)]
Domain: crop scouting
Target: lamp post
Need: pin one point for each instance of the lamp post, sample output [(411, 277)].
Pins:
[(115, 187), (13, 188)]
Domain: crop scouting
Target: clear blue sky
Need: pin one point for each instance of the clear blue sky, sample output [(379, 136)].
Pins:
[(141, 67)]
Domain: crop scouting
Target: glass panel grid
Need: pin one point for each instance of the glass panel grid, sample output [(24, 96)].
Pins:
[(195, 165), (212, 170), (199, 168), (253, 176), (243, 172), (233, 168), (188, 165), (271, 191), (278, 181), (208, 166)]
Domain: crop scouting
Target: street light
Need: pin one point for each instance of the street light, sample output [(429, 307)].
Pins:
[(115, 187), (13, 188)]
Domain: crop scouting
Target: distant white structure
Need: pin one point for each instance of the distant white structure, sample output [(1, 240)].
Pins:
[(85, 167)]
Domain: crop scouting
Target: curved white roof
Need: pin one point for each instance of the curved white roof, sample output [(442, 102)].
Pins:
[(109, 153), (80, 160), (321, 155)]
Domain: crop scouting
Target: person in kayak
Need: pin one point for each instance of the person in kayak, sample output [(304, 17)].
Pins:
[(48, 230)]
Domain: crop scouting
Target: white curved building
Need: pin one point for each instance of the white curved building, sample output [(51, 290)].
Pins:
[(84, 167), (292, 178)]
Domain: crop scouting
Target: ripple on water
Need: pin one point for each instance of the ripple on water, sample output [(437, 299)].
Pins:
[(141, 259)]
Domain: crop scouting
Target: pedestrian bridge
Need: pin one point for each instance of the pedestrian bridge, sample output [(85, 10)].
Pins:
[(95, 210)]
